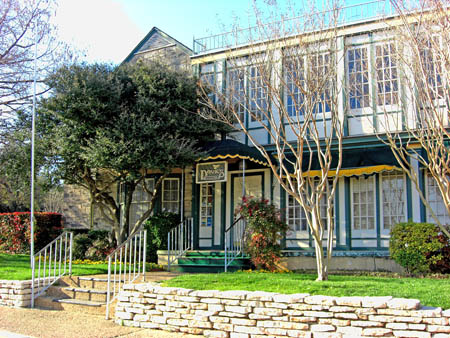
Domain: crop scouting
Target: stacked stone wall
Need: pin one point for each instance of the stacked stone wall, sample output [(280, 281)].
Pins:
[(244, 314), (15, 293)]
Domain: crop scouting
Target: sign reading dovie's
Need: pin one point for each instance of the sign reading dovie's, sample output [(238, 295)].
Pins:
[(211, 172)]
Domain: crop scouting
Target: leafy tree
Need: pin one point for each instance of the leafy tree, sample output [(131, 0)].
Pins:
[(15, 154), (111, 125)]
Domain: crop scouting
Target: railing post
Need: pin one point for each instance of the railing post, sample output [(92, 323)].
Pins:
[(168, 251), (145, 255), (70, 254), (108, 295)]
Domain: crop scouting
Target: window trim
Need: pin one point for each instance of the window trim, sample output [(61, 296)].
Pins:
[(383, 231), (178, 194), (366, 233)]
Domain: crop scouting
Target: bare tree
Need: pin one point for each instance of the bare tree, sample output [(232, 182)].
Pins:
[(25, 24), (419, 137), (285, 80)]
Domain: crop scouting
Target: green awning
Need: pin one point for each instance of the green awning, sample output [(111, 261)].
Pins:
[(227, 149), (355, 162)]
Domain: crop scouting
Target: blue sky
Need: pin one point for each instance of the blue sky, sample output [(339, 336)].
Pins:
[(109, 29)]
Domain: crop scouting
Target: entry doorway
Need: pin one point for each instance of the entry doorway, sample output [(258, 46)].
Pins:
[(254, 186)]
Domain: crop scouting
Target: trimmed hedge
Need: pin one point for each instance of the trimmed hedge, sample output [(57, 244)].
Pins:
[(158, 227), (420, 247), (15, 230)]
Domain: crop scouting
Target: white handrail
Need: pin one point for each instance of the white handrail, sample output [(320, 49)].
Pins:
[(55, 253), (129, 264), (234, 241), (179, 240)]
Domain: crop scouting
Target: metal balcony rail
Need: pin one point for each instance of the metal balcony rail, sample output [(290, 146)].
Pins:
[(234, 241), (180, 239), (125, 264), (50, 263), (334, 17)]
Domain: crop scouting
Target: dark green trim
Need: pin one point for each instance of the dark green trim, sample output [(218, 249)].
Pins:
[(378, 207), (423, 210), (223, 199), (337, 223), (195, 204), (348, 216), (283, 210), (409, 208)]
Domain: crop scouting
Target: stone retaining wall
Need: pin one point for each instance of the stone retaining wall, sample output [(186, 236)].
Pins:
[(244, 314), (15, 293)]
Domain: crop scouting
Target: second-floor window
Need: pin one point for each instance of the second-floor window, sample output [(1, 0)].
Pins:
[(258, 104), (387, 75), (308, 83), (358, 77), (430, 68), (236, 91)]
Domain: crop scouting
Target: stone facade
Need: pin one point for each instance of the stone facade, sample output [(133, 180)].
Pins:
[(244, 314), (15, 293)]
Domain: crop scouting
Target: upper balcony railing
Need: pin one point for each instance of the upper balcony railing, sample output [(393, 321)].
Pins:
[(335, 17)]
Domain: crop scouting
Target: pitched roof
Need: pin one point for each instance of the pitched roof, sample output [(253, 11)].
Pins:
[(150, 43)]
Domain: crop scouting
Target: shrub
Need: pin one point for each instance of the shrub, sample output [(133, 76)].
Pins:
[(99, 249), (94, 245), (442, 265), (264, 231), (15, 230), (158, 227), (81, 244), (416, 246)]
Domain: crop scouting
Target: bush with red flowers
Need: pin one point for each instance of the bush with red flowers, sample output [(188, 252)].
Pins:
[(15, 230), (264, 231)]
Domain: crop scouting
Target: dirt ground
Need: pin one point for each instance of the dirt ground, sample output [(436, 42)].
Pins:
[(58, 324), (51, 323)]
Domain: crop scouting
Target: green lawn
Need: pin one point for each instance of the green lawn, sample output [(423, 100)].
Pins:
[(17, 267), (431, 292)]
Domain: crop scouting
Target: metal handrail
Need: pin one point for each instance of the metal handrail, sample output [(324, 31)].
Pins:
[(53, 260), (234, 241), (179, 240), (338, 16), (129, 264)]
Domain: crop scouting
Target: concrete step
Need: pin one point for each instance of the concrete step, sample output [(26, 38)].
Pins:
[(71, 305), (77, 293)]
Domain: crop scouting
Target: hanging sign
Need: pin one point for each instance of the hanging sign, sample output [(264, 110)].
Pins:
[(211, 172)]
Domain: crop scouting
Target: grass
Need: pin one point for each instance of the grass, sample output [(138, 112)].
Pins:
[(17, 267), (430, 291)]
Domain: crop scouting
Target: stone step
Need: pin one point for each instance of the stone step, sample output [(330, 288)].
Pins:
[(71, 305), (78, 293)]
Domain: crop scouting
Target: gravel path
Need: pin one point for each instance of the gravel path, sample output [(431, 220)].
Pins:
[(51, 323)]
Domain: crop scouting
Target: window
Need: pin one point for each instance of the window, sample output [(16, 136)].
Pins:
[(392, 199), (295, 84), (358, 77), (321, 82), (436, 202), (431, 66), (387, 77), (311, 79), (236, 91), (206, 204), (208, 78), (363, 204), (296, 218), (141, 200), (171, 195), (295, 214), (258, 94)]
